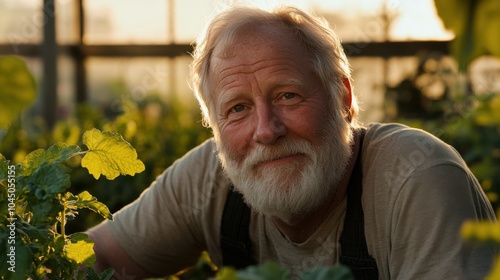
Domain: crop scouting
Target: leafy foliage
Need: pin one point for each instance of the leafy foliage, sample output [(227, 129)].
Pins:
[(161, 131), (486, 234), (86, 200), (204, 269), (40, 205), (271, 270)]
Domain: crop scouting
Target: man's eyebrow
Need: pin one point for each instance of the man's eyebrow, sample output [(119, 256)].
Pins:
[(229, 97), (225, 99), (290, 82), (287, 83)]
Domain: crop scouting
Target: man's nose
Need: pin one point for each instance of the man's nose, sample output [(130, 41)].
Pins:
[(269, 125)]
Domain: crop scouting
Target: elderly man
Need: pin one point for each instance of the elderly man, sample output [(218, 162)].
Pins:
[(291, 176)]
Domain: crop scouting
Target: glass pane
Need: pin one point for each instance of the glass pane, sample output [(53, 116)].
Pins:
[(416, 20), (29, 115), (113, 81), (125, 22), (374, 20), (21, 22), (379, 20), (368, 85), (190, 17), (65, 87), (67, 21)]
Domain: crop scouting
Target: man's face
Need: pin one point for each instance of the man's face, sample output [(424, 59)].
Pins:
[(277, 138)]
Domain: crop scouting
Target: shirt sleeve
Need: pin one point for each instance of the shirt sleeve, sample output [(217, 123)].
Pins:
[(425, 236), (161, 230)]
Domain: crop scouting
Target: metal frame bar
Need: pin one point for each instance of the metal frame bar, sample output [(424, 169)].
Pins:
[(49, 53), (366, 49)]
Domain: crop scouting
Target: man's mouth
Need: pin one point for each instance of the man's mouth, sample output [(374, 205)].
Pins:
[(279, 160)]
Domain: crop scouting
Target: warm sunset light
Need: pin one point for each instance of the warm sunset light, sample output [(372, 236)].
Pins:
[(207, 139), (132, 21)]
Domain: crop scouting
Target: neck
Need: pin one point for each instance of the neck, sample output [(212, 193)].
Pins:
[(301, 228)]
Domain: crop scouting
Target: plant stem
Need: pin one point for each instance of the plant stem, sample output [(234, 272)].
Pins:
[(80, 153), (62, 214), (63, 222)]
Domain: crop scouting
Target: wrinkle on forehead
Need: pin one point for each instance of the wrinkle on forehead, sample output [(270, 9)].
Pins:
[(251, 40), (252, 36)]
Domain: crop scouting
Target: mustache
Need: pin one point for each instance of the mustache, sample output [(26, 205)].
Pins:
[(285, 148)]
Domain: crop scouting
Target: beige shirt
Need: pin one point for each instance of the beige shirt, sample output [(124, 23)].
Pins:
[(417, 191)]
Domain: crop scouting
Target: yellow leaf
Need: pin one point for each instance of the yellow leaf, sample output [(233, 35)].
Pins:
[(86, 200), (227, 273), (109, 155), (81, 250)]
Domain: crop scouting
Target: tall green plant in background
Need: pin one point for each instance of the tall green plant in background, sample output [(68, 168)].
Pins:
[(17, 90), (476, 25)]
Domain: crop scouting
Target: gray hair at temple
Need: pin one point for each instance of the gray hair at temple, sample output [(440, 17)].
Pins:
[(328, 59)]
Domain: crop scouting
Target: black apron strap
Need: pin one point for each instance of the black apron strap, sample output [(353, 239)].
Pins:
[(354, 251), (234, 239)]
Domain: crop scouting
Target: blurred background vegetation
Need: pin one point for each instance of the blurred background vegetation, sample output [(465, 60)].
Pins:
[(122, 66)]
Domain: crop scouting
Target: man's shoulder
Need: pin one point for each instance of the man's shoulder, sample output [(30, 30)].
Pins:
[(203, 154), (401, 139), (200, 167), (397, 145), (395, 133)]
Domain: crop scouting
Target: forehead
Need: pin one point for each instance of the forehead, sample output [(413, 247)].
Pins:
[(259, 39)]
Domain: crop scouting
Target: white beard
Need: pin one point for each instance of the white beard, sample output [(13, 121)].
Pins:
[(291, 190)]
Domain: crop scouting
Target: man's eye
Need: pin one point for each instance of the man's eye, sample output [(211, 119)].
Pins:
[(238, 108), (289, 95)]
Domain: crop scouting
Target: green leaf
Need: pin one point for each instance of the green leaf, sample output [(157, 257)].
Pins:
[(487, 26), (105, 275), (475, 25), (24, 262), (80, 249), (86, 200), (32, 234), (45, 212), (4, 168), (268, 270), (109, 155), (57, 153), (17, 89), (227, 273), (454, 16), (336, 272), (47, 181)]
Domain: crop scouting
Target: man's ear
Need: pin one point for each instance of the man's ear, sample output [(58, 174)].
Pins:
[(348, 95)]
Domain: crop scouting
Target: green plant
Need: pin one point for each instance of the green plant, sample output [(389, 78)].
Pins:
[(205, 269), (160, 129), (17, 89), (37, 206), (270, 270), (475, 24)]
